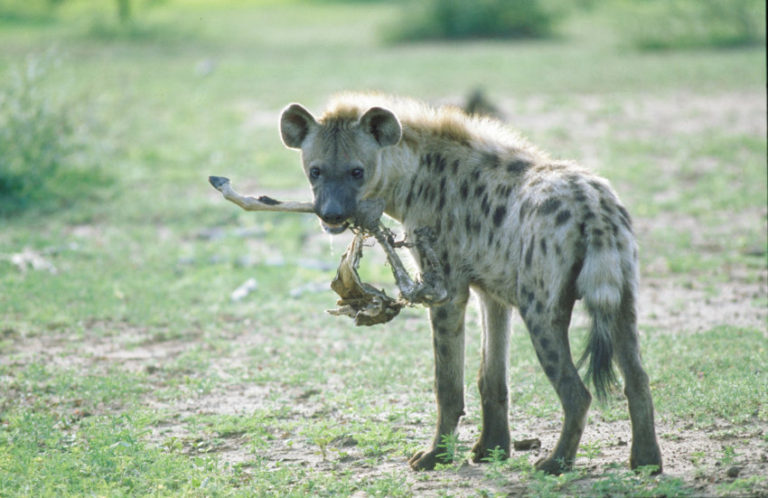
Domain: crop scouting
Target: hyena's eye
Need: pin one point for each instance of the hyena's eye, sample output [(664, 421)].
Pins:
[(357, 173), (314, 172)]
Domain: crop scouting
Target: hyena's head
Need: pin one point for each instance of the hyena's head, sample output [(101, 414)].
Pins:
[(340, 154)]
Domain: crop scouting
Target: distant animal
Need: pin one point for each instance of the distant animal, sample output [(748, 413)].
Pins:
[(522, 230), (477, 103)]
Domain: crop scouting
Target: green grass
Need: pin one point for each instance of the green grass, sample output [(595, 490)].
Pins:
[(130, 371), (105, 456), (711, 379)]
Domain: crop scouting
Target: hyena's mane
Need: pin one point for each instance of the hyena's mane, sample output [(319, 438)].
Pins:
[(423, 123)]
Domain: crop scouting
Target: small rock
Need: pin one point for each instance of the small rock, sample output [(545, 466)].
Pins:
[(204, 68), (527, 444), (245, 288), (733, 471), (315, 264), (757, 251), (344, 441), (249, 232), (246, 261), (309, 288), (212, 233), (308, 394), (32, 260), (275, 260)]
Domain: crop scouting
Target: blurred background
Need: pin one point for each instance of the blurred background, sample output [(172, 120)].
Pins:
[(96, 92), (155, 339)]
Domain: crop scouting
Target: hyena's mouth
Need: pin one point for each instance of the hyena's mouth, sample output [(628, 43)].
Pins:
[(334, 229)]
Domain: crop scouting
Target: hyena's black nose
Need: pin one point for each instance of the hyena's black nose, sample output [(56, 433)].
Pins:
[(333, 213), (333, 217)]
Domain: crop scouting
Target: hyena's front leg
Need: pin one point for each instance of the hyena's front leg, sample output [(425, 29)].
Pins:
[(448, 342)]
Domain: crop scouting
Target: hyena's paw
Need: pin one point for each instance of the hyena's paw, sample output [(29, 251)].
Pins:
[(649, 455), (553, 466), (426, 460), (484, 451)]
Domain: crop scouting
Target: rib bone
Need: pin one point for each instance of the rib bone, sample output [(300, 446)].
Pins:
[(363, 302)]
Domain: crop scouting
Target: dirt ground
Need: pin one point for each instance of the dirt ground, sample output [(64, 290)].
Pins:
[(693, 455)]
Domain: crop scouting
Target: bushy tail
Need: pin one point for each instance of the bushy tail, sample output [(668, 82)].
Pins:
[(600, 283), (599, 355)]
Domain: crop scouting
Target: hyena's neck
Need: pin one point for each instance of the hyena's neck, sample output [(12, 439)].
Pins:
[(397, 170)]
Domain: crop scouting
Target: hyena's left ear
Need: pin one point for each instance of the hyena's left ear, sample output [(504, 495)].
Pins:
[(383, 125), (295, 124)]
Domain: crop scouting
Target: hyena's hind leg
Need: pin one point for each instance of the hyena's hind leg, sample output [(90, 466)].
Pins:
[(492, 379), (548, 329), (448, 343), (645, 448)]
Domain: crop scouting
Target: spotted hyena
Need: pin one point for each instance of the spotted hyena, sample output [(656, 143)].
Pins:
[(518, 228)]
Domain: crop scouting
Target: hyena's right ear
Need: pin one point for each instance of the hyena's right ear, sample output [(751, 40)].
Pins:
[(295, 124), (383, 125)]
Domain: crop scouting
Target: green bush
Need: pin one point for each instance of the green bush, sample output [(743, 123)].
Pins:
[(685, 24), (28, 10), (461, 19), (40, 148)]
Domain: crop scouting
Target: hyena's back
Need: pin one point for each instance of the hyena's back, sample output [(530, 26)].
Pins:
[(506, 220)]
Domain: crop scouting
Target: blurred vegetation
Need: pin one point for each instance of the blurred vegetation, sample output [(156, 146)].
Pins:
[(459, 19), (122, 12), (28, 10), (40, 145), (113, 20), (641, 24), (35, 134), (687, 24)]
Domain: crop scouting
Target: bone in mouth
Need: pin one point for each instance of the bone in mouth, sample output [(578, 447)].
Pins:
[(261, 203), (359, 300)]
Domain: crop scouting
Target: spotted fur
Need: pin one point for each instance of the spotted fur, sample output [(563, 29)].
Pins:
[(519, 228)]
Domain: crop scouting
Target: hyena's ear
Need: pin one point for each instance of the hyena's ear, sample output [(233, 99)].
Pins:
[(383, 125), (295, 124)]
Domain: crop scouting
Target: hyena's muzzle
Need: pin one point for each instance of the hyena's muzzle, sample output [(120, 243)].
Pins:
[(335, 204)]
